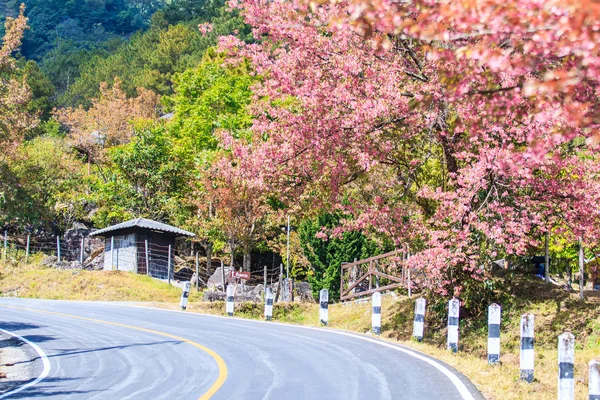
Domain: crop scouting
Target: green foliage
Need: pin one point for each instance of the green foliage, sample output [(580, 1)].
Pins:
[(42, 91), (43, 171), (208, 98), (327, 256), (144, 179), (152, 59)]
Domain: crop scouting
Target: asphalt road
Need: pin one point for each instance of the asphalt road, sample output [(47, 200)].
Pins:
[(111, 351)]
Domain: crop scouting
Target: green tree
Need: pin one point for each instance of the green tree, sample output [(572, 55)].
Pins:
[(144, 179), (327, 256), (152, 59)]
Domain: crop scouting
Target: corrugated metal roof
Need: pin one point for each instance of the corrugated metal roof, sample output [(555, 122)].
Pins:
[(142, 223)]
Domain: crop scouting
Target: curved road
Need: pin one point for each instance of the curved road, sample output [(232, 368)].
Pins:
[(112, 351)]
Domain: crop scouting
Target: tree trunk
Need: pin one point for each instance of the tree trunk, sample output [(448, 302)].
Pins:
[(581, 269), (547, 259), (247, 259), (209, 248), (232, 247)]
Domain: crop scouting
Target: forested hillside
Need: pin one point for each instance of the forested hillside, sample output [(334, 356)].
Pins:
[(370, 129)]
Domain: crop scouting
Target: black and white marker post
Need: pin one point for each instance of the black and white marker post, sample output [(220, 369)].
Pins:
[(376, 316), (419, 322), (229, 302), (324, 306), (185, 293), (268, 303), (494, 317), (566, 366), (594, 380), (527, 354), (453, 312)]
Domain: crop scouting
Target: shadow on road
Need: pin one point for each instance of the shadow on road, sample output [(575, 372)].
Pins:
[(47, 388), (18, 326)]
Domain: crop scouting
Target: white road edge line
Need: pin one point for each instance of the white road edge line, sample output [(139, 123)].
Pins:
[(45, 362), (456, 381)]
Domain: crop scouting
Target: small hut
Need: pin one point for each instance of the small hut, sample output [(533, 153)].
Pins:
[(141, 246)]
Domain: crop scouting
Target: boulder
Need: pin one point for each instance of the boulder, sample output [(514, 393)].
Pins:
[(49, 261), (212, 295), (94, 263), (216, 282), (303, 292)]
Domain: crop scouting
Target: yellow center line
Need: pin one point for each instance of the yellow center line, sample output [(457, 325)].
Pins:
[(220, 363)]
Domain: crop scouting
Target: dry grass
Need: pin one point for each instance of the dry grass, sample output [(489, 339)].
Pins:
[(49, 283)]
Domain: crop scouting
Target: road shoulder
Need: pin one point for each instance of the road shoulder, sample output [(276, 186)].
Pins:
[(20, 363)]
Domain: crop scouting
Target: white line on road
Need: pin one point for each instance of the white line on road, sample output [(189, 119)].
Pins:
[(44, 359)]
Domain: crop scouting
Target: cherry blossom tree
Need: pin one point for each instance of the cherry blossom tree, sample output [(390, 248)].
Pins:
[(466, 129)]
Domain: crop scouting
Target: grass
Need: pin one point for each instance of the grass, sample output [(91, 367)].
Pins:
[(555, 310), (49, 283)]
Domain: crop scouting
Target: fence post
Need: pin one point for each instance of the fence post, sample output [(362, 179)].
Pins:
[(147, 259), (27, 250), (268, 303), (419, 321), (409, 281), (185, 293), (5, 244), (197, 273), (112, 252), (453, 316), (494, 318), (229, 300), (594, 379), (566, 366), (81, 251), (527, 353), (376, 316), (324, 306), (279, 295), (58, 248), (223, 274), (265, 286), (169, 265)]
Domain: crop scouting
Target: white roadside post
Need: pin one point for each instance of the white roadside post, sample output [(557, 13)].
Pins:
[(185, 293), (566, 366), (268, 303), (453, 313), (419, 321), (229, 302), (324, 307), (494, 318), (376, 316), (594, 380), (58, 248), (527, 353), (81, 251)]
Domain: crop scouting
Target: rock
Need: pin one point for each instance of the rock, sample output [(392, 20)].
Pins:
[(95, 253), (95, 263), (303, 292), (49, 261), (211, 295), (215, 280)]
